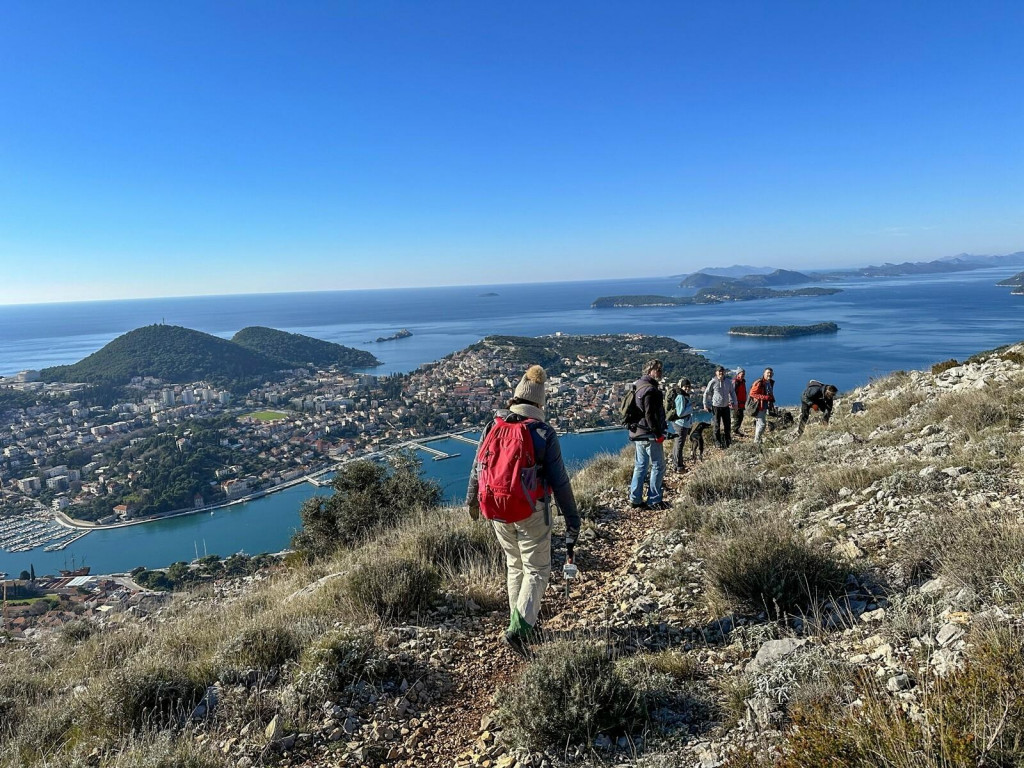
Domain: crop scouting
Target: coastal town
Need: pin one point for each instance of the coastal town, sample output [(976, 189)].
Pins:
[(66, 463)]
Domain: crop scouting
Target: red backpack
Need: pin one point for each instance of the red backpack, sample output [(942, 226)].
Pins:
[(507, 472)]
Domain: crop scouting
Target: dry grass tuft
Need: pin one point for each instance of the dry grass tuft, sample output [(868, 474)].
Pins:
[(768, 566)]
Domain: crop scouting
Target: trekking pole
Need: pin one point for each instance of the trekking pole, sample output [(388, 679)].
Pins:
[(569, 570)]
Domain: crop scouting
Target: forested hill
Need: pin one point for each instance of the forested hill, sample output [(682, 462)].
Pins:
[(625, 354), (167, 352), (298, 350)]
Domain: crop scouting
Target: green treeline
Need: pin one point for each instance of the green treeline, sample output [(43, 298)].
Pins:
[(300, 351), (783, 331)]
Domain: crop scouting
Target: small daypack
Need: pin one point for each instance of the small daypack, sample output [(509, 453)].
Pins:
[(507, 472), (629, 412), (673, 412)]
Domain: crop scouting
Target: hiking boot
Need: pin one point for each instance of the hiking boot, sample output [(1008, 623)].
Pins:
[(660, 505), (518, 644), (638, 505)]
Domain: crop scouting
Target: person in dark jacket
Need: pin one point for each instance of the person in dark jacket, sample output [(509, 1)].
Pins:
[(527, 544), (817, 397), (649, 435), (739, 384)]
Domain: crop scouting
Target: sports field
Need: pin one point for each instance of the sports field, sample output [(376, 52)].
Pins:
[(267, 415)]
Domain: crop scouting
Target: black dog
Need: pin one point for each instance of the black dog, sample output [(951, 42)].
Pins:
[(697, 440)]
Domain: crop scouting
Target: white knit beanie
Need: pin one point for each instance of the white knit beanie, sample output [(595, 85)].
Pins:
[(531, 386)]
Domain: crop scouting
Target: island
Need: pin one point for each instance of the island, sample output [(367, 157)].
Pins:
[(402, 334), (782, 331), (724, 291), (488, 295)]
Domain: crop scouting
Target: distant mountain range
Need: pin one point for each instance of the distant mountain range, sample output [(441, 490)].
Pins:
[(760, 280), (767, 276), (176, 354)]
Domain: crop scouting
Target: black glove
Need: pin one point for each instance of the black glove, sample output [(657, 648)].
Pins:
[(570, 547)]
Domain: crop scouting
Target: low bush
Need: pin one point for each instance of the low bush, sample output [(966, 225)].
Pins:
[(944, 366), (567, 695), (263, 647), (394, 587), (339, 659), (151, 696), (456, 548), (77, 631), (768, 566)]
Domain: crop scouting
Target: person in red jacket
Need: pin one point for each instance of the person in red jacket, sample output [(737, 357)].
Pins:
[(739, 383), (762, 393)]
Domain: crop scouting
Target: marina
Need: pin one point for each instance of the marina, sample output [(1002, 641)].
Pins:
[(40, 529)]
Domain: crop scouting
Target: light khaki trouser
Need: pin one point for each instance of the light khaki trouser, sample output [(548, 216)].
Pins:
[(527, 546)]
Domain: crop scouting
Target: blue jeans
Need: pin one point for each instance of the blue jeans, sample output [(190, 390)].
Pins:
[(650, 456)]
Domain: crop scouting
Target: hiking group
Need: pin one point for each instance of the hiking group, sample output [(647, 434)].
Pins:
[(519, 467)]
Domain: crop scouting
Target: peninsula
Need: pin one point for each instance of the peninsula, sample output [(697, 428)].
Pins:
[(783, 331), (724, 291)]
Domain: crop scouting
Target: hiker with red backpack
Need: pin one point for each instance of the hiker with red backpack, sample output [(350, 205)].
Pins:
[(518, 468)]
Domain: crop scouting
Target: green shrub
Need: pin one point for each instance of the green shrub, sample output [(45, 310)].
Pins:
[(768, 566), (568, 694), (263, 647), (394, 587), (149, 696), (944, 366), (341, 658), (368, 497)]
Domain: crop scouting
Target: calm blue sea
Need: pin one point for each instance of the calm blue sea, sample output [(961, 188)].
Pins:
[(887, 324)]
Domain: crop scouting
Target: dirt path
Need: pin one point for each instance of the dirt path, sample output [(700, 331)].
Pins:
[(488, 666)]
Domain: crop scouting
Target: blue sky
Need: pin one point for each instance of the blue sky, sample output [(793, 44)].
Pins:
[(151, 149)]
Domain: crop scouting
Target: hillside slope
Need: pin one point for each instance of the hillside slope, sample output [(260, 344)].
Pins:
[(852, 597), (298, 350), (168, 352)]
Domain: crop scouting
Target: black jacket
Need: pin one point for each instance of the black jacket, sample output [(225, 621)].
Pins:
[(651, 401), (815, 395)]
